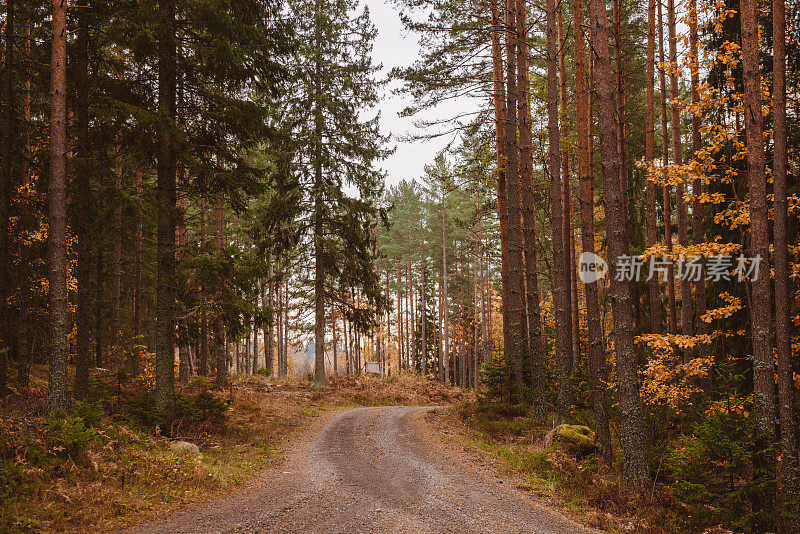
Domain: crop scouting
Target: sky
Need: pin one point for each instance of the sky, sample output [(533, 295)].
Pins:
[(394, 47)]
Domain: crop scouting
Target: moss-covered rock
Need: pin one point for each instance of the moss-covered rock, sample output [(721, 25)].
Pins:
[(577, 440)]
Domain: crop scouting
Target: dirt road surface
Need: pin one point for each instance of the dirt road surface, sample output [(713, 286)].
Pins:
[(371, 470)]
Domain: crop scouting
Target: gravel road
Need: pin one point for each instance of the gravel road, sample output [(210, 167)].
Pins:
[(372, 470)]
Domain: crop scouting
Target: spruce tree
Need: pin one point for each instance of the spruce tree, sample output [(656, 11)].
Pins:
[(336, 149)]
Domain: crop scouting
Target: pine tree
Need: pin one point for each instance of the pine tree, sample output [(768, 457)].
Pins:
[(632, 429), (57, 211), (337, 147)]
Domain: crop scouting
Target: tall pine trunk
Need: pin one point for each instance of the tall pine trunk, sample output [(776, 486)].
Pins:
[(222, 356), (318, 192), (667, 200), (595, 345), (652, 228), (166, 275), (515, 299), (116, 288), (698, 235), (561, 296), (137, 276), (782, 339), (57, 212), (631, 418), (677, 159), (445, 321), (83, 205), (6, 186), (535, 349)]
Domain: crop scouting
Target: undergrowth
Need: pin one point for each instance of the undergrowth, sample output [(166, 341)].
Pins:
[(108, 462)]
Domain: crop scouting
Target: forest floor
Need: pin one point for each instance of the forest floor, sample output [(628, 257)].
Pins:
[(364, 455), (377, 469), (109, 463)]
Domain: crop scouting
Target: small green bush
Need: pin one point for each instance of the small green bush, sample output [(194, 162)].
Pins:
[(200, 382), (69, 437), (264, 371), (186, 415)]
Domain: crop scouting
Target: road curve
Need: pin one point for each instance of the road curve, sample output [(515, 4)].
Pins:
[(371, 470)]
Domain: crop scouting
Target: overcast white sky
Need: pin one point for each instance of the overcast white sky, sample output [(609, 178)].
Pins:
[(396, 48)]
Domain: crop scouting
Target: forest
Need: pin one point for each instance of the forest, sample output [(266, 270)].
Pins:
[(199, 244)]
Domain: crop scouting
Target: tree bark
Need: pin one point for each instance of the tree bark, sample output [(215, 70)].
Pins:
[(782, 338), (57, 399), (667, 200), (499, 99), (677, 159), (319, 266), (536, 351), (116, 291), (6, 187), (516, 314), (166, 284), (563, 317), (595, 345), (760, 309), (137, 276), (631, 418), (652, 228), (203, 360), (83, 205), (424, 344), (222, 356), (446, 326)]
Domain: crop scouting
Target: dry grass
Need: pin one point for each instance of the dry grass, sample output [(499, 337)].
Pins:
[(583, 488), (127, 473)]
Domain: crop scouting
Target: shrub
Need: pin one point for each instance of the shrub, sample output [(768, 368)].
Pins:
[(712, 473), (69, 437), (264, 371), (186, 415)]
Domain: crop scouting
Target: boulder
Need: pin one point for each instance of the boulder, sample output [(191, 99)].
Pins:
[(184, 446), (578, 440)]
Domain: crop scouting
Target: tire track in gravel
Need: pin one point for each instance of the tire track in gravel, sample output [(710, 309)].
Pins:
[(371, 470)]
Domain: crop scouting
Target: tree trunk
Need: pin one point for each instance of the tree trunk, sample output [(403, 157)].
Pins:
[(83, 207), (57, 212), (516, 343), (137, 277), (673, 314), (222, 356), (424, 341), (652, 229), (760, 309), (499, 98), (561, 296), (622, 149), (319, 230), (761, 314), (631, 418), (677, 159), (698, 235), (271, 303), (536, 351), (6, 187), (203, 363), (116, 291), (566, 165), (780, 166), (166, 276), (446, 326), (595, 345), (98, 309)]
